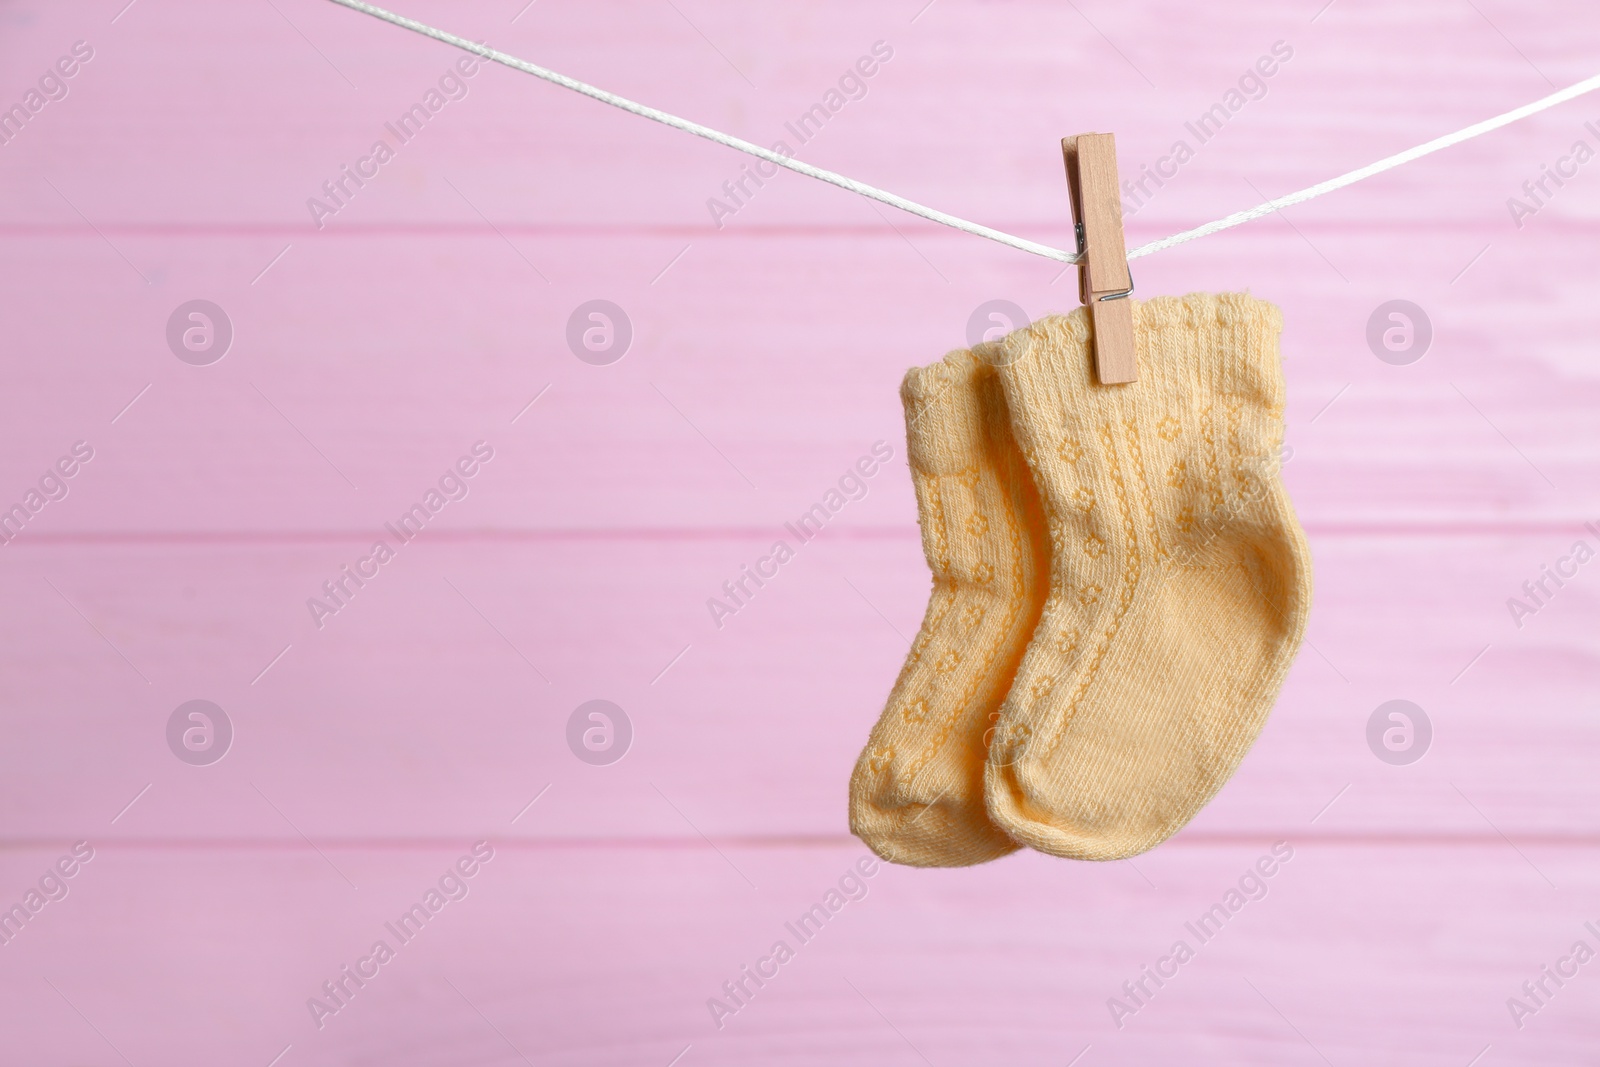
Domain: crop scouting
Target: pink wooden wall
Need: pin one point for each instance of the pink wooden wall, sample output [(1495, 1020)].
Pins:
[(370, 354)]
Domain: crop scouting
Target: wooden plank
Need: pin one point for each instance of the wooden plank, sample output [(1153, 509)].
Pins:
[(421, 708), (391, 390), (615, 953)]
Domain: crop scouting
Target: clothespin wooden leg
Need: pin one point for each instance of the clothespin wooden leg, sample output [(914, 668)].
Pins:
[(1103, 278)]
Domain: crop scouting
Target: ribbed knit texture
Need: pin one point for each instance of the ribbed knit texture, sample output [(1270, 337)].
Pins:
[(1179, 579), (916, 796)]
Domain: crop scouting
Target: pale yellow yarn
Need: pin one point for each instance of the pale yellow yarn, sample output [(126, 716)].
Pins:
[(916, 796), (1179, 579)]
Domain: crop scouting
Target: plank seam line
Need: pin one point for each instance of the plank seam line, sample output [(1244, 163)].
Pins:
[(1213, 839)]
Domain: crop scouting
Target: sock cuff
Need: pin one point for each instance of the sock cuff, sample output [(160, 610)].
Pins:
[(1223, 343), (953, 408), (1197, 353)]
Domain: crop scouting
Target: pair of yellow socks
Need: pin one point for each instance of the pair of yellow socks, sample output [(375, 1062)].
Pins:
[(1119, 587)]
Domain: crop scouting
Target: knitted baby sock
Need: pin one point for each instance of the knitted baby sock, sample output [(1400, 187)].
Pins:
[(1179, 579), (916, 796)]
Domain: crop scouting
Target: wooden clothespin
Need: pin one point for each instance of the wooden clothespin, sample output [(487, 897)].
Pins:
[(1103, 279)]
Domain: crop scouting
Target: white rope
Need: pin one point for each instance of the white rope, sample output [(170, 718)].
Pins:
[(709, 134), (1238, 218), (1477, 129)]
